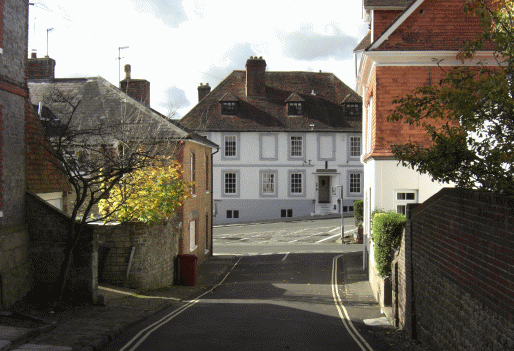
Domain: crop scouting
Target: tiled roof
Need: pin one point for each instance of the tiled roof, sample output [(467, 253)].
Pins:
[(364, 44), (323, 95), (383, 4), (99, 103)]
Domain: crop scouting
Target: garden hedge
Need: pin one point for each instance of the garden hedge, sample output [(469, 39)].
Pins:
[(387, 236)]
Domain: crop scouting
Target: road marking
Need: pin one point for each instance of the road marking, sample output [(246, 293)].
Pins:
[(363, 344), (287, 254), (325, 239), (146, 332), (333, 236)]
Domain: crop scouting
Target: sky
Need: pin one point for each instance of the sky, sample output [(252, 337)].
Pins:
[(178, 44)]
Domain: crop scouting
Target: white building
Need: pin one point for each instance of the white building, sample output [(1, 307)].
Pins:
[(288, 142)]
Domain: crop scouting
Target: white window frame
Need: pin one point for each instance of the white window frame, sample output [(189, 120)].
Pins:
[(290, 147), (236, 137), (232, 139), (402, 202), (351, 141), (223, 188), (361, 181), (263, 174), (290, 183)]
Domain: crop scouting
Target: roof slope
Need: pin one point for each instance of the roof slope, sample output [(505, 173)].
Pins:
[(386, 4), (101, 105), (323, 93)]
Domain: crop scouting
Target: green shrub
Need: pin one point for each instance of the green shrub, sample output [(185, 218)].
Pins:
[(358, 212), (387, 236)]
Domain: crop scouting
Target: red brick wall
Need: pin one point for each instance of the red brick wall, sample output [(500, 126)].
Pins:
[(434, 25), (462, 248), (42, 174), (382, 20), (387, 84), (138, 89), (40, 68), (199, 207)]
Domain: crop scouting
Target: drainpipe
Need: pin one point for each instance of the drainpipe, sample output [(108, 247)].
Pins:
[(212, 198)]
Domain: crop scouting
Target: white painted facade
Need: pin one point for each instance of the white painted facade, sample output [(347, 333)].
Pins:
[(265, 176)]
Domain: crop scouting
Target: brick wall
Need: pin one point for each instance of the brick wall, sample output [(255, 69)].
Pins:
[(40, 68), (389, 84), (43, 176), (138, 89), (14, 263), (382, 20), (153, 248), (198, 208), (461, 244), (434, 25)]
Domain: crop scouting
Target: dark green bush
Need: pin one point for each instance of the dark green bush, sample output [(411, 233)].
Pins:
[(387, 236), (358, 212)]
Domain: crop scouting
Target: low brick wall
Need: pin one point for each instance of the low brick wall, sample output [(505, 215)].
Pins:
[(48, 230), (456, 272), (154, 251)]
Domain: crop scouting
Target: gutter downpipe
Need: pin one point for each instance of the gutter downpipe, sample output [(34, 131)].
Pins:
[(212, 200)]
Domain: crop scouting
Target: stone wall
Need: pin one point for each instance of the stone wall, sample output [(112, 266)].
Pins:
[(459, 246), (48, 230), (14, 263), (153, 249)]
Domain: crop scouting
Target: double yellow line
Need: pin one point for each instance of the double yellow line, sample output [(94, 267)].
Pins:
[(357, 337)]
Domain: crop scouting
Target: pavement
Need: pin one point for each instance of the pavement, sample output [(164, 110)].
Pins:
[(90, 328)]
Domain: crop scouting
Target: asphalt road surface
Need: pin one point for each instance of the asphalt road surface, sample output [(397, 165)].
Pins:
[(266, 302), (306, 236)]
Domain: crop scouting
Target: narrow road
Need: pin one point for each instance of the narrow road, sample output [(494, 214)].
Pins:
[(267, 302)]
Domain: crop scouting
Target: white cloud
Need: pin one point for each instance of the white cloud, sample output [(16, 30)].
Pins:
[(180, 43)]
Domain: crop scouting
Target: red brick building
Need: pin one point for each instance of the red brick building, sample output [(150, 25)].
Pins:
[(409, 45)]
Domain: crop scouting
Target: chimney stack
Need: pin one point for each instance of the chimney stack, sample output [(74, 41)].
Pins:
[(203, 91), (256, 77), (138, 89), (40, 68)]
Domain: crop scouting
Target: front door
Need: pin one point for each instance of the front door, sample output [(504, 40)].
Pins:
[(324, 189)]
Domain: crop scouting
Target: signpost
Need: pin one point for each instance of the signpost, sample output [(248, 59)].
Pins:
[(342, 213)]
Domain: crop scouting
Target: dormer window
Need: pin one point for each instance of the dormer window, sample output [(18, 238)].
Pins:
[(295, 108), (228, 104), (228, 108), (295, 105), (353, 109)]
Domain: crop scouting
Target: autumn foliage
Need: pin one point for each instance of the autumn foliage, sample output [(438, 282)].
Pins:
[(150, 194)]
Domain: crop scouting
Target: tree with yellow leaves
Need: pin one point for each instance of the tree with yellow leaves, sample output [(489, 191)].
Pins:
[(149, 194)]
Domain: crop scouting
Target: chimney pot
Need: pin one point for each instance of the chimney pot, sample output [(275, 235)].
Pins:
[(127, 71)]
